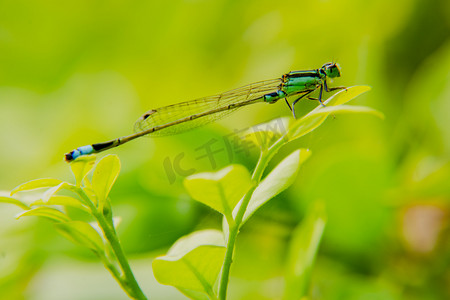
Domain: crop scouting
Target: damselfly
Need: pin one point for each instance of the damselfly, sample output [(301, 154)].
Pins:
[(183, 116)]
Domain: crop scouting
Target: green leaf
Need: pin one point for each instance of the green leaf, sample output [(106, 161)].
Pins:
[(263, 135), (195, 295), (61, 200), (302, 252), (105, 174), (36, 184), (81, 167), (90, 193), (10, 200), (83, 234), (221, 190), (279, 179), (87, 183), (46, 212), (346, 95), (193, 263), (51, 191), (341, 109), (317, 116)]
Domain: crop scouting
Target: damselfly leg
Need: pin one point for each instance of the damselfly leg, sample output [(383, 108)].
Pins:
[(296, 100)]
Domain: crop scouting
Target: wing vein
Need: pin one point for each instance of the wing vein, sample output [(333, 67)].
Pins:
[(172, 113)]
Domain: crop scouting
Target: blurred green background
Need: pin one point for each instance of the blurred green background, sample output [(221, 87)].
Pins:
[(75, 73)]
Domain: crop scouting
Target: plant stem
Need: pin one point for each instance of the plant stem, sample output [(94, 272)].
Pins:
[(130, 280), (232, 234), (234, 227), (111, 268), (127, 281)]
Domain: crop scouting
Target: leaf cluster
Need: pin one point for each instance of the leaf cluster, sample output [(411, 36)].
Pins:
[(199, 264), (91, 196)]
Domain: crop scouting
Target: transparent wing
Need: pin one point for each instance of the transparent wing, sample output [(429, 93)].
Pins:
[(172, 113)]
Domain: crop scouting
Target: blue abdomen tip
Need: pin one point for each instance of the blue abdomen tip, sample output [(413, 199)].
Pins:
[(86, 150)]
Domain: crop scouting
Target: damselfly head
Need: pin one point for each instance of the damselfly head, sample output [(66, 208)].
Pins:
[(332, 70)]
